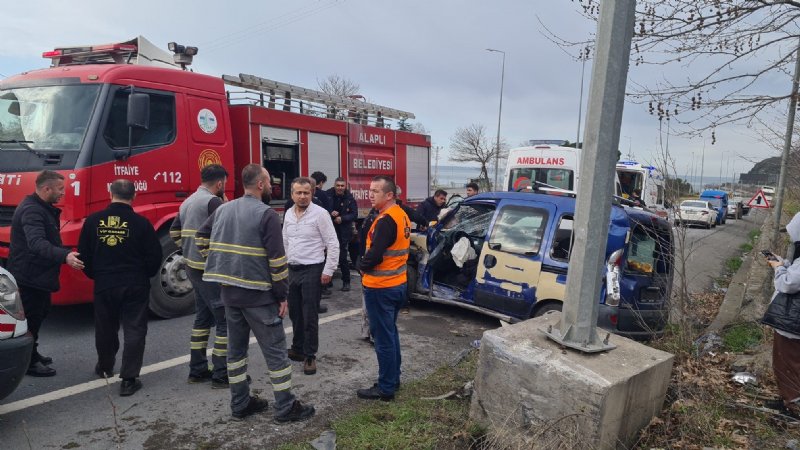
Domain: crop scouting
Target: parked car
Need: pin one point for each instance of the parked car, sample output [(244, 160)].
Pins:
[(743, 204), (769, 192), (735, 210), (696, 212), (16, 344), (720, 201), (506, 254)]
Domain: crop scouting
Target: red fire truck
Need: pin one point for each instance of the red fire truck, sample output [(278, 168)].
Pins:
[(127, 110)]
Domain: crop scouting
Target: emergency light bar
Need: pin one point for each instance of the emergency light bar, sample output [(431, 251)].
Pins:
[(98, 54)]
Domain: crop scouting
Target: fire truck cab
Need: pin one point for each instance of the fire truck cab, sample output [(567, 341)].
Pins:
[(126, 110)]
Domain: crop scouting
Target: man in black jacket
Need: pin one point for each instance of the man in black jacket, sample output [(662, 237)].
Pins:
[(36, 256), (432, 206), (121, 252), (344, 212)]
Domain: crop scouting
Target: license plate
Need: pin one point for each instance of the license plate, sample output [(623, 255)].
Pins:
[(650, 296)]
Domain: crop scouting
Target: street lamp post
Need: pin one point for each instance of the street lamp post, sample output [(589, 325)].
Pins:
[(499, 116), (580, 100), (721, 160)]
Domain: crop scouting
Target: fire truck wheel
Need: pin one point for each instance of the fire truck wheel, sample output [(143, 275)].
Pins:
[(171, 293)]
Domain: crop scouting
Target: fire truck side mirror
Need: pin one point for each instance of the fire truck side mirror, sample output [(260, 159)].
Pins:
[(139, 110)]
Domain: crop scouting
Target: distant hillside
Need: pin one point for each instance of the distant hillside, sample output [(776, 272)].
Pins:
[(767, 166), (767, 171)]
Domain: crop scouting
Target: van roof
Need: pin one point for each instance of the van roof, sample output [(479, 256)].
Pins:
[(567, 204)]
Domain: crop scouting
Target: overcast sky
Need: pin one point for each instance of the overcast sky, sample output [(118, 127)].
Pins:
[(423, 56)]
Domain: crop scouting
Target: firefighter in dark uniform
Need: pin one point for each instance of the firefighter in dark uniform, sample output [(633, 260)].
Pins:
[(244, 252), (120, 252), (209, 310)]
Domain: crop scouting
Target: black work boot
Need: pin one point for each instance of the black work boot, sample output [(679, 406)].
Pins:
[(254, 406), (298, 412)]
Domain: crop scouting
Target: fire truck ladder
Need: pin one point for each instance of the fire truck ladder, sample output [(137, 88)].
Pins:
[(315, 102)]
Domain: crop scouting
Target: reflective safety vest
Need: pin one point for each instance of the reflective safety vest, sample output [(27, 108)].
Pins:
[(391, 271), (236, 255), (193, 213)]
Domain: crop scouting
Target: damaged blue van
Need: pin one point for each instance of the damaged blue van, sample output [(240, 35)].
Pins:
[(506, 254)]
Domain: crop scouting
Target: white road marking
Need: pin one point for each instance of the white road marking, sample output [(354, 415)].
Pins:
[(96, 384)]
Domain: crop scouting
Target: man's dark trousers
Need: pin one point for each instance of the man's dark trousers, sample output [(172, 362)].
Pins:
[(344, 243), (305, 291), (37, 305), (382, 307), (209, 311), (126, 305)]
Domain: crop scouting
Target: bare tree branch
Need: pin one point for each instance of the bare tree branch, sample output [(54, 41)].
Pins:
[(338, 85), (473, 144), (730, 53)]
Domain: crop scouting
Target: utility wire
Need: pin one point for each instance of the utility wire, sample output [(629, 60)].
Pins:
[(266, 27), (272, 20)]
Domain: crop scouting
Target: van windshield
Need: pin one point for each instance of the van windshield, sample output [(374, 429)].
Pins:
[(523, 177), (629, 181)]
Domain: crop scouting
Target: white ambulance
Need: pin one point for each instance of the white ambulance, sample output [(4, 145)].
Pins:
[(648, 179), (553, 165)]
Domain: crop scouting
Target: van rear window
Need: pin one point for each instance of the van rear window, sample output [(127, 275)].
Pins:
[(647, 251)]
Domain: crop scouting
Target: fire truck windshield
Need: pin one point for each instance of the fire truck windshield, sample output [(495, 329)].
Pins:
[(52, 118)]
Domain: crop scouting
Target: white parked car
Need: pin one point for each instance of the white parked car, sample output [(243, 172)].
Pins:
[(16, 344), (735, 210), (696, 212), (769, 192)]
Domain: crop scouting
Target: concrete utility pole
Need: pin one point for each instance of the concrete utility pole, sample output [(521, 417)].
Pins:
[(787, 146), (601, 138)]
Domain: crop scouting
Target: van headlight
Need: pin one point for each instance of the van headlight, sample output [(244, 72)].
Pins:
[(9, 298)]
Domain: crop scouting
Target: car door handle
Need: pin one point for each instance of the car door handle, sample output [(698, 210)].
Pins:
[(489, 261)]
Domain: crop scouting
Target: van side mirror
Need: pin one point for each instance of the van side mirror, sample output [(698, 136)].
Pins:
[(139, 110)]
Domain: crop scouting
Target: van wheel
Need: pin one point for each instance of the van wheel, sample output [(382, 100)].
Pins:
[(171, 293), (544, 309), (411, 283)]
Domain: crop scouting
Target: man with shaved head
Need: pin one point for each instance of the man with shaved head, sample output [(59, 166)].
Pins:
[(120, 253)]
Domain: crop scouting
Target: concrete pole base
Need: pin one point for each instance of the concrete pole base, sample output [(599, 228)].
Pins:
[(531, 393)]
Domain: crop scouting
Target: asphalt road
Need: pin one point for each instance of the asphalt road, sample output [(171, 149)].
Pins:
[(707, 250), (76, 410)]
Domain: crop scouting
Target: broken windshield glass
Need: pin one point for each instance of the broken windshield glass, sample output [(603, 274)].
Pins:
[(46, 117)]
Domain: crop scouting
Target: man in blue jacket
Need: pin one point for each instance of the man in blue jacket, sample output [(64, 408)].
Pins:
[(432, 206), (344, 212)]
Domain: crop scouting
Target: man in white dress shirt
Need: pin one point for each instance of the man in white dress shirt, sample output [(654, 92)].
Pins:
[(308, 233)]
